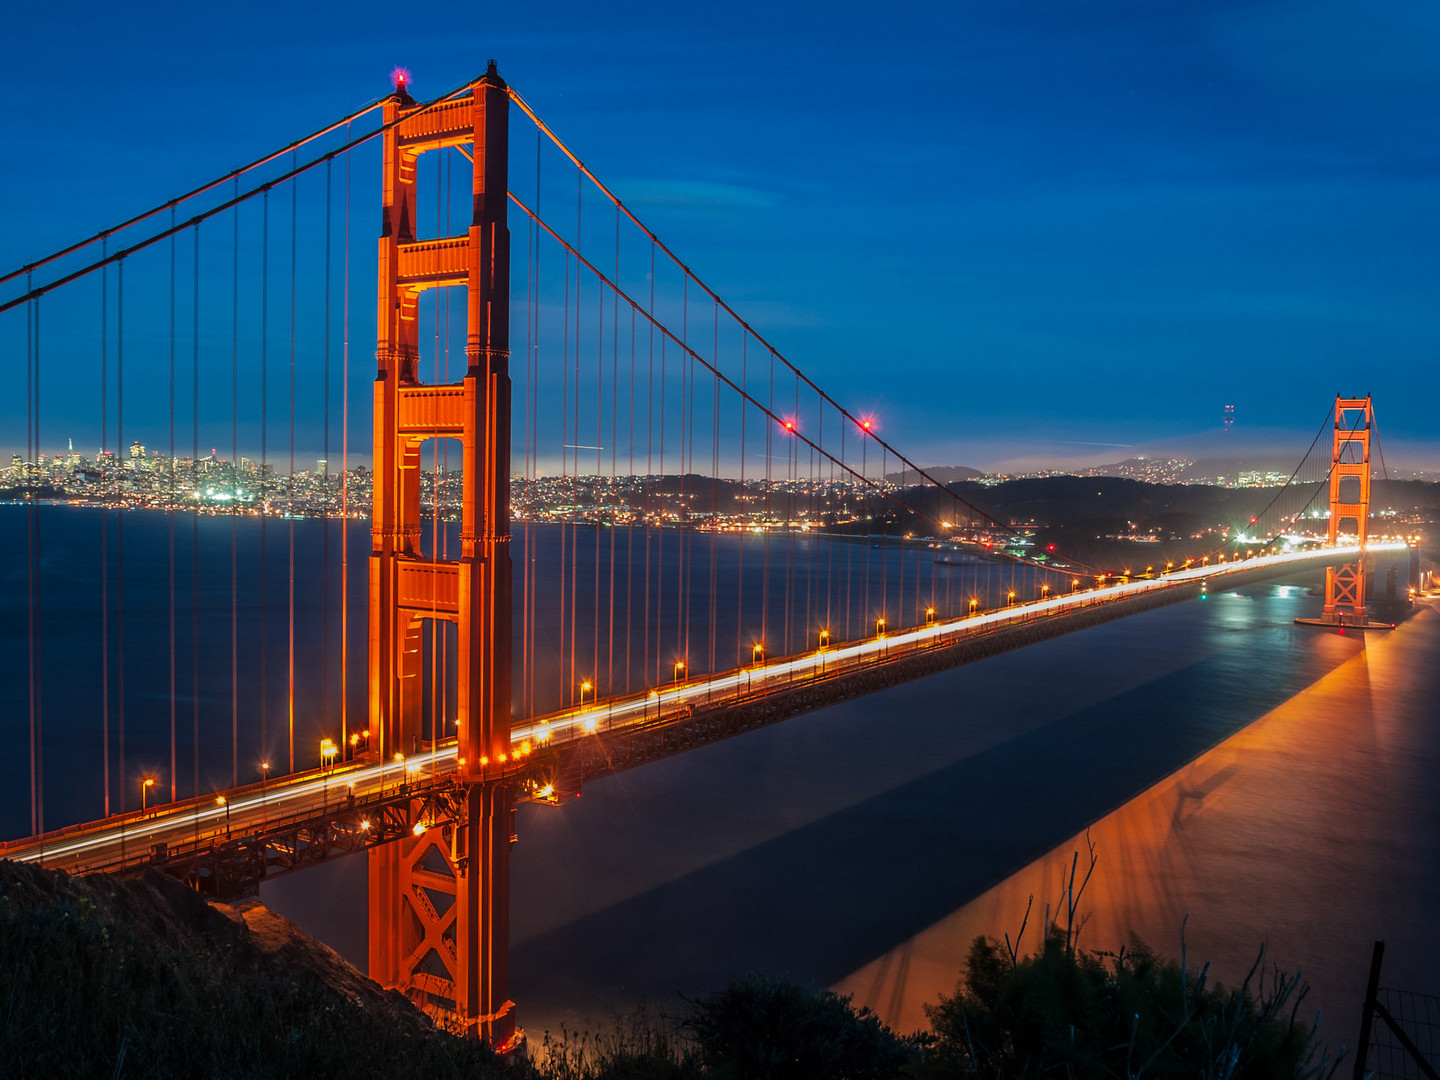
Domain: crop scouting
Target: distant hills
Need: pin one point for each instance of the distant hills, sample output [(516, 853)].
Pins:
[(945, 474), (1268, 469)]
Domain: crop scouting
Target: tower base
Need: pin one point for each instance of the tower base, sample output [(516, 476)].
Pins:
[(1340, 621)]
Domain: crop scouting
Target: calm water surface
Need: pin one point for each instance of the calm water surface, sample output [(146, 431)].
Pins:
[(1274, 783)]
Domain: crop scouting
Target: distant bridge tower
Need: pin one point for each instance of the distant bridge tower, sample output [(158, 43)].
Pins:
[(1349, 511), (439, 903)]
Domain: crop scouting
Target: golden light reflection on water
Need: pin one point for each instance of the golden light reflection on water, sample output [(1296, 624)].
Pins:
[(1274, 835)]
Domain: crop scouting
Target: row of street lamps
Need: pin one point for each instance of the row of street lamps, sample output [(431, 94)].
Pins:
[(757, 651), (328, 752)]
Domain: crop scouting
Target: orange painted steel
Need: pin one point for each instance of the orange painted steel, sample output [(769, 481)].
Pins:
[(439, 901), (1349, 503)]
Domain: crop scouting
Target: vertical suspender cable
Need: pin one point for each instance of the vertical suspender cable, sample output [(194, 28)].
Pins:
[(599, 452), (442, 627), (792, 503), (740, 546), (235, 501), (630, 516), (325, 673), (29, 472), (687, 439), (614, 451), (660, 531), (532, 353), (885, 553), (104, 532), (290, 484), (850, 546), (195, 525), (434, 624), (564, 469), (170, 513), (345, 470), (575, 434), (32, 409), (812, 518), (649, 472), (714, 479), (39, 699), (769, 488), (865, 534), (120, 517), (264, 479)]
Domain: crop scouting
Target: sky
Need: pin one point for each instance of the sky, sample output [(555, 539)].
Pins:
[(1022, 234)]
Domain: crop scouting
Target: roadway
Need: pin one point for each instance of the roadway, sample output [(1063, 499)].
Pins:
[(214, 819)]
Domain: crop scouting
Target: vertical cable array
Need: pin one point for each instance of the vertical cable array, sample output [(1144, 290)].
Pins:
[(803, 549), (145, 481)]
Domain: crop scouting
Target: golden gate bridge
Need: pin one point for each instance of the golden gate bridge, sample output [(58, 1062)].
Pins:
[(734, 554)]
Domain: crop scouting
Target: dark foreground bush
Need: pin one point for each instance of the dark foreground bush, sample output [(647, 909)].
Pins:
[(773, 1029), (144, 979), (757, 1028), (1064, 1012)]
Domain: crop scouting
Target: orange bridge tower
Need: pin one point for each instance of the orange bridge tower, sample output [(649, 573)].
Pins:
[(1349, 512), (439, 900)]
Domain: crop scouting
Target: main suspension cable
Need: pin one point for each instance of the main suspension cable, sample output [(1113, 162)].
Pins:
[(171, 204), (261, 189)]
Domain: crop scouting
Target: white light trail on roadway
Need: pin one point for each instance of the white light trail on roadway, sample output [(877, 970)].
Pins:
[(185, 820)]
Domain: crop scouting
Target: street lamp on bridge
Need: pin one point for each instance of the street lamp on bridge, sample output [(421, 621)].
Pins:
[(145, 791)]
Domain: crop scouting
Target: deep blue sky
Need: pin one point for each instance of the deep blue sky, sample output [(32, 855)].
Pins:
[(1022, 231)]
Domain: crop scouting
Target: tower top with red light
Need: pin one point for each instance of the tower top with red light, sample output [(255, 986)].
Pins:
[(400, 79)]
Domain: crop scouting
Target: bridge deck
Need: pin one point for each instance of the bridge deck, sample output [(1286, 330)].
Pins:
[(235, 838)]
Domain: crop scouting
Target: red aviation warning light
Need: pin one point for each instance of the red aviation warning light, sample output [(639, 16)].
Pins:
[(400, 77)]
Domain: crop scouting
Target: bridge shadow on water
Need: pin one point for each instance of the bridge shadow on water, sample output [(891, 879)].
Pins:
[(826, 897)]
